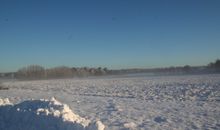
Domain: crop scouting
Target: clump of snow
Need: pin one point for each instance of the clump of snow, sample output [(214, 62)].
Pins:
[(43, 115), (4, 102), (130, 125)]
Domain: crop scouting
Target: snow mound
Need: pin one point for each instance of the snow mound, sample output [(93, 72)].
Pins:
[(42, 115)]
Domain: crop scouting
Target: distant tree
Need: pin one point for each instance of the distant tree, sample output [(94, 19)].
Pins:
[(83, 72), (216, 64), (59, 72), (31, 72), (74, 71), (187, 68), (99, 71), (106, 70), (211, 65), (92, 71), (171, 69)]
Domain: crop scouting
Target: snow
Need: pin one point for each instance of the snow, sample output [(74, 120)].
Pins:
[(121, 103), (4, 102), (42, 114), (130, 125)]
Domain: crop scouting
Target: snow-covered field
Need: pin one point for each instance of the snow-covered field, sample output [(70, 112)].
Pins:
[(120, 103)]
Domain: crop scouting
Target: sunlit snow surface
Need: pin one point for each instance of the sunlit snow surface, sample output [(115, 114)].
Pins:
[(136, 103), (42, 115)]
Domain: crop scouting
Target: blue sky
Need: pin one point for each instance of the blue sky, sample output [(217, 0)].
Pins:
[(108, 33)]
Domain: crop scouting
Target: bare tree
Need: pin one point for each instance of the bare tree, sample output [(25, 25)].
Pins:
[(59, 72), (31, 72)]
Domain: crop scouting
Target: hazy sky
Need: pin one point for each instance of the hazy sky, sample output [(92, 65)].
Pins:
[(108, 33)]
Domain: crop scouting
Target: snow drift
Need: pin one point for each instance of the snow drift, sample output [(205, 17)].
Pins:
[(42, 115)]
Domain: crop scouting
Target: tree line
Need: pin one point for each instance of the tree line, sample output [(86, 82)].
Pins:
[(215, 65), (39, 72)]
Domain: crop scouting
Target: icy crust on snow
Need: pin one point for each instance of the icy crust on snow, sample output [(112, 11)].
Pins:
[(42, 115)]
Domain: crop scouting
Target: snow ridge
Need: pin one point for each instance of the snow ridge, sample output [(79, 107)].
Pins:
[(44, 115)]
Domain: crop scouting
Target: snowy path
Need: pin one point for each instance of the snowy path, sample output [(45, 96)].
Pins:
[(139, 103)]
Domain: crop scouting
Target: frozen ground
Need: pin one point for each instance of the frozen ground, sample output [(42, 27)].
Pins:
[(135, 103)]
